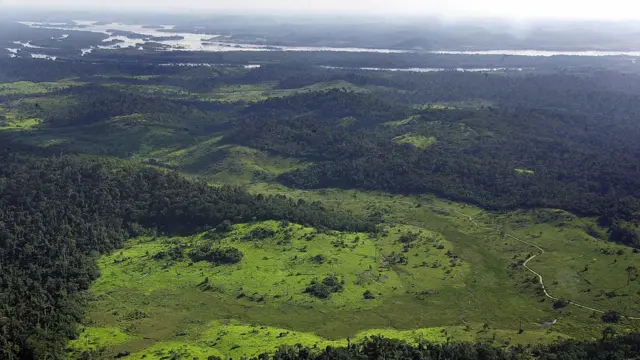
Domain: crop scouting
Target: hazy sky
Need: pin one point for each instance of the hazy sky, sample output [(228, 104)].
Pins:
[(574, 9)]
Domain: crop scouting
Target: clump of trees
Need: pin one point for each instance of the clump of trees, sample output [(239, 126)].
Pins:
[(216, 255), (324, 288), (318, 259), (368, 295), (560, 303), (611, 317), (173, 253), (259, 233)]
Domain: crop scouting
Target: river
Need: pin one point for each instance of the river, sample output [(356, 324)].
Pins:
[(217, 43)]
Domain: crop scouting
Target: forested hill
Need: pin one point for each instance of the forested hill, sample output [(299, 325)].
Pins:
[(504, 155), (57, 214), (564, 139)]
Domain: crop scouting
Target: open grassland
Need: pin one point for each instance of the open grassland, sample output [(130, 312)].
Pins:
[(175, 305), (578, 265), (11, 121), (34, 88), (419, 141), (524, 171), (460, 281), (232, 92)]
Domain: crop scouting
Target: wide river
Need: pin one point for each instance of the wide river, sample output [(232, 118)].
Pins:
[(190, 41), (216, 43)]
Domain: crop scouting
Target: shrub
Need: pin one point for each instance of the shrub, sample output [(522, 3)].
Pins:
[(224, 227), (611, 317), (560, 303), (409, 238), (173, 253), (259, 233), (217, 256), (323, 289), (318, 259)]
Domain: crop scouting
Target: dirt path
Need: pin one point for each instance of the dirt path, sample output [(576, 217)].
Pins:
[(540, 278), (526, 263)]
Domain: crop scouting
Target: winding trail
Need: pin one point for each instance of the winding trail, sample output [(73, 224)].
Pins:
[(540, 278), (525, 264)]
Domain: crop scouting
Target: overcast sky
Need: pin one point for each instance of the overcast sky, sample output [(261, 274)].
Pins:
[(574, 9)]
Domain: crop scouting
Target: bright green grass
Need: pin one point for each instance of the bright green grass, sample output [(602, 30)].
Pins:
[(408, 121), (419, 141), (259, 92), (226, 163), (411, 299), (569, 249), (146, 77), (330, 85), (279, 269), (10, 120), (524, 171), (93, 338), (235, 93), (168, 91), (231, 339), (576, 266), (194, 153), (475, 104), (438, 107), (245, 165), (175, 350), (12, 124), (31, 88), (241, 92), (267, 287)]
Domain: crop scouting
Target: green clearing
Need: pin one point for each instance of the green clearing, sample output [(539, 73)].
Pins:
[(438, 107), (267, 289), (11, 121), (34, 88), (249, 93), (172, 92), (264, 91), (419, 141), (243, 165), (259, 304), (524, 171), (93, 338), (12, 124), (233, 93), (408, 121), (230, 339)]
